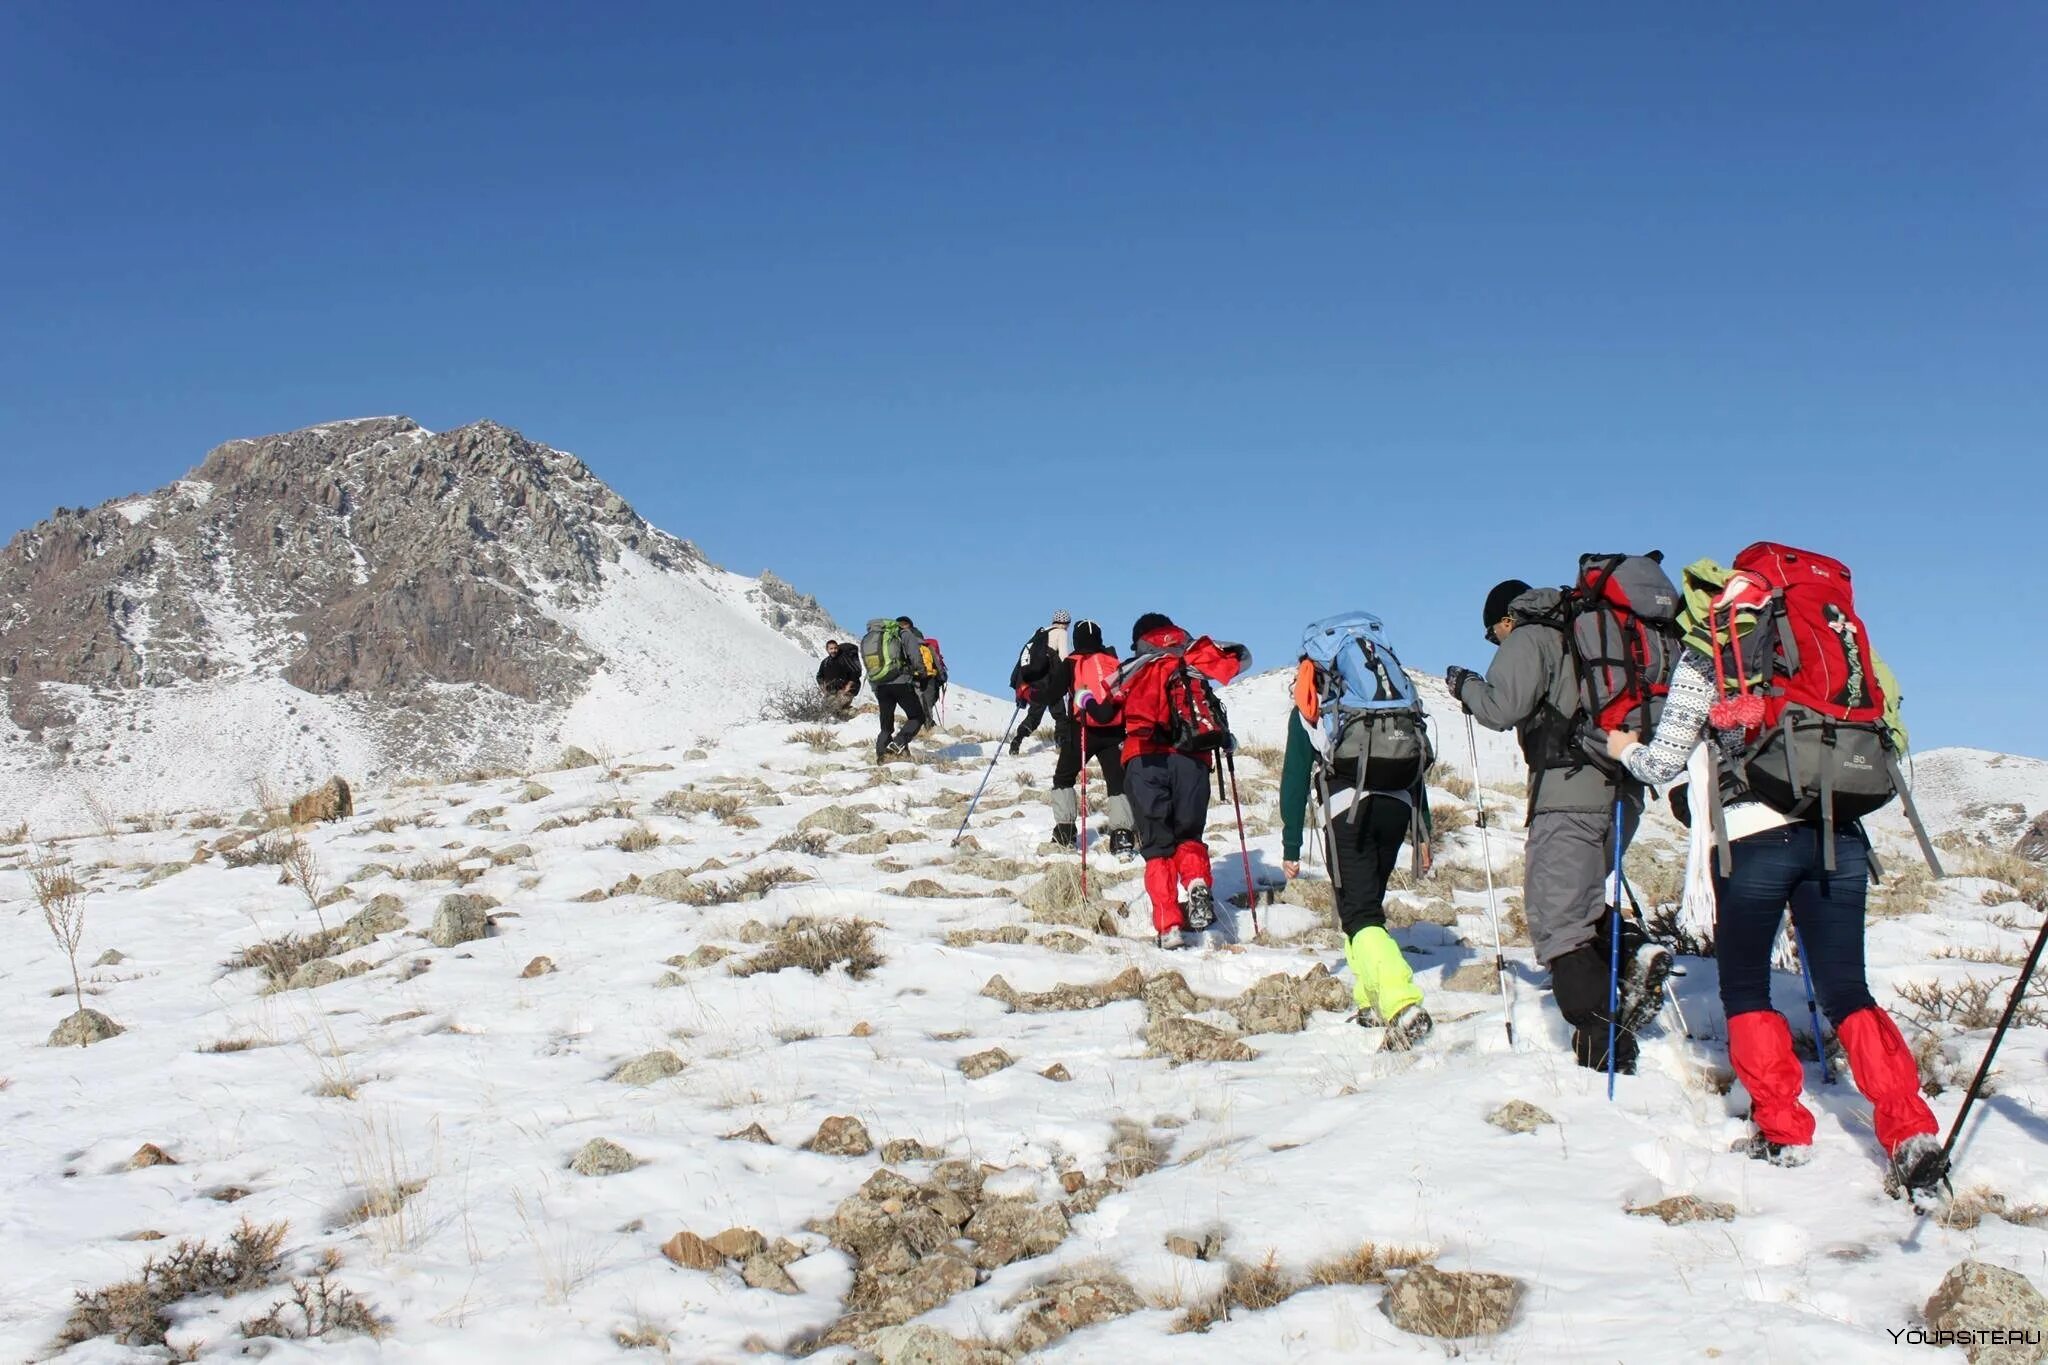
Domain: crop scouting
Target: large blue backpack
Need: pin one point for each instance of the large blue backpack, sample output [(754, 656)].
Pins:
[(1370, 728)]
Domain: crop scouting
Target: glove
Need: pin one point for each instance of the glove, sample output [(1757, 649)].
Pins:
[(1456, 678)]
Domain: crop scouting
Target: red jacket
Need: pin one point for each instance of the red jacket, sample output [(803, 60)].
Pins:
[(1143, 684)]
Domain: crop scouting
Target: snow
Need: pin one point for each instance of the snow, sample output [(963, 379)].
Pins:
[(482, 1085), (135, 510)]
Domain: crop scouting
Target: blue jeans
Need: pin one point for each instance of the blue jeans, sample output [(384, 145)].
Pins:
[(1780, 868)]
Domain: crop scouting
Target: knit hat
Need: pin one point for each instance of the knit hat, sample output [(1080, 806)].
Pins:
[(1087, 638), (1498, 601), (1060, 618), (1149, 622)]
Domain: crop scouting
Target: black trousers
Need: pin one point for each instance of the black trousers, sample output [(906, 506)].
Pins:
[(1032, 715), (1169, 800), (1365, 841), (1080, 743), (889, 696)]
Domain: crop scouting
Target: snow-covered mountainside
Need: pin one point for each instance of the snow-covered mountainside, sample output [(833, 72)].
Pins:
[(727, 1052), (369, 598)]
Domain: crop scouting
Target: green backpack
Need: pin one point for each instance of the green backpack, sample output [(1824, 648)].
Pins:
[(881, 650)]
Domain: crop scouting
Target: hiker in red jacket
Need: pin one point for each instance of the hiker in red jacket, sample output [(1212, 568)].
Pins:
[(1172, 724)]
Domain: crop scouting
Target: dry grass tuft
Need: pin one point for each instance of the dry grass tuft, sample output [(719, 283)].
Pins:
[(816, 738), (1368, 1265), (137, 1312), (817, 946), (278, 958), (815, 842), (638, 840), (1444, 777), (432, 870), (269, 851), (750, 886), (1908, 889), (1250, 1287), (723, 806)]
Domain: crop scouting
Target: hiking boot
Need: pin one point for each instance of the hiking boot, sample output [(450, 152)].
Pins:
[(1015, 745), (881, 748), (1123, 844), (1201, 912), (1410, 1026), (1171, 941), (1757, 1147), (896, 748), (1368, 1017), (1066, 836), (1643, 974), (1919, 1171)]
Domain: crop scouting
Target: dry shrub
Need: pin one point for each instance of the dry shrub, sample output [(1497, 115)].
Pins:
[(1973, 1206), (1907, 889), (1368, 1265), (16, 836), (751, 886), (62, 898), (271, 851), (817, 946), (723, 806), (1658, 880), (1668, 925), (137, 1312), (816, 738), (1996, 957), (1268, 756), (1445, 820), (815, 842), (1250, 1287), (432, 870), (2000, 866), (317, 1308), (1442, 775), (638, 840), (1970, 1003), (802, 704), (278, 958)]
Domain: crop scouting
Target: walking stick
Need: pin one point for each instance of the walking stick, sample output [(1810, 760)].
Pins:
[(2019, 990), (1251, 892), (1500, 958), (1614, 957), (961, 833), (1820, 1047)]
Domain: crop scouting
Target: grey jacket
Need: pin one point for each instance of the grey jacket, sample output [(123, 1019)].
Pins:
[(1532, 667)]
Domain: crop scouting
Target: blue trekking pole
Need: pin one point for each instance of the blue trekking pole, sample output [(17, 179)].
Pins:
[(961, 833), (1614, 956), (1820, 1047)]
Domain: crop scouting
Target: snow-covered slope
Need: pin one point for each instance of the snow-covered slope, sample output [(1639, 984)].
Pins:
[(1096, 1186)]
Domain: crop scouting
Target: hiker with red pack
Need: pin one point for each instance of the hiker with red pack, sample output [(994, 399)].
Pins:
[(1173, 727), (1799, 724), (1089, 727)]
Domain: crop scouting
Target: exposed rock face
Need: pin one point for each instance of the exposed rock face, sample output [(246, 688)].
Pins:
[(1986, 1299), (430, 578), (2033, 844)]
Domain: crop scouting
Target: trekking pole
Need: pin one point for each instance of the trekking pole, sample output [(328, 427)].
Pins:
[(961, 833), (1251, 892), (1820, 1047), (2019, 989), (1500, 958), (1614, 957)]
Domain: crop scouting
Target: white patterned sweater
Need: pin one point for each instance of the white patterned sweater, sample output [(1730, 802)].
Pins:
[(1685, 722)]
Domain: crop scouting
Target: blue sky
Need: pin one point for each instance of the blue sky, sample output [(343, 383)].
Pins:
[(1245, 313)]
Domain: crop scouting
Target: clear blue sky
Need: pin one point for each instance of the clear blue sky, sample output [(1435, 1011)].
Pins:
[(1246, 313)]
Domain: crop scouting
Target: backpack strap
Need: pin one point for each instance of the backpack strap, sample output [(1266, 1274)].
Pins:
[(1891, 764), (1718, 818)]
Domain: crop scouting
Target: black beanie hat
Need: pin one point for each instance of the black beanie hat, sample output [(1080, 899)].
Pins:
[(1497, 603), (1149, 622), (1087, 637)]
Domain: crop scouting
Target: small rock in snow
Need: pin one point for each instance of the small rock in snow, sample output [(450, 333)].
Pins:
[(83, 1029), (1451, 1303), (540, 966), (841, 1135), (987, 1063), (600, 1156), (149, 1154), (1519, 1116), (691, 1251), (1687, 1208), (648, 1068)]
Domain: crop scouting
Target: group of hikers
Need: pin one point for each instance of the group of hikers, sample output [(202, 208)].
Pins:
[(908, 672), (1751, 688)]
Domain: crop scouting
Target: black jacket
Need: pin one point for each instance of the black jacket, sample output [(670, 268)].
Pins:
[(838, 670)]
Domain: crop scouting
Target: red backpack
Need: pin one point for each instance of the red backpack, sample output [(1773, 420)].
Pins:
[(1797, 676), (1195, 720), (1095, 674)]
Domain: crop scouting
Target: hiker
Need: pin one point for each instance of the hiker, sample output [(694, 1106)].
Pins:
[(1819, 664), (1358, 735), (1173, 725), (839, 673), (1045, 651), (1576, 807), (892, 655), (1089, 724), (933, 689)]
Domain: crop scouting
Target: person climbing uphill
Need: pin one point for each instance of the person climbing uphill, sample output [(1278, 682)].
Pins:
[(1032, 677), (1090, 728), (1358, 736), (1173, 725), (1781, 633)]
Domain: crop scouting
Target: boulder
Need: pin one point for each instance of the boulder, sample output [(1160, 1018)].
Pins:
[(385, 914), (462, 918), (540, 966), (1978, 1298), (1180, 1039), (1068, 1306), (1007, 1230), (2033, 845), (689, 1250), (1451, 1303), (900, 1150), (836, 820), (1687, 1208), (753, 1132), (575, 757), (918, 1345), (600, 1156), (737, 1244), (648, 1068), (1519, 1116), (330, 801), (321, 971), (841, 1135), (987, 1063), (762, 1271), (534, 791), (83, 1029)]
